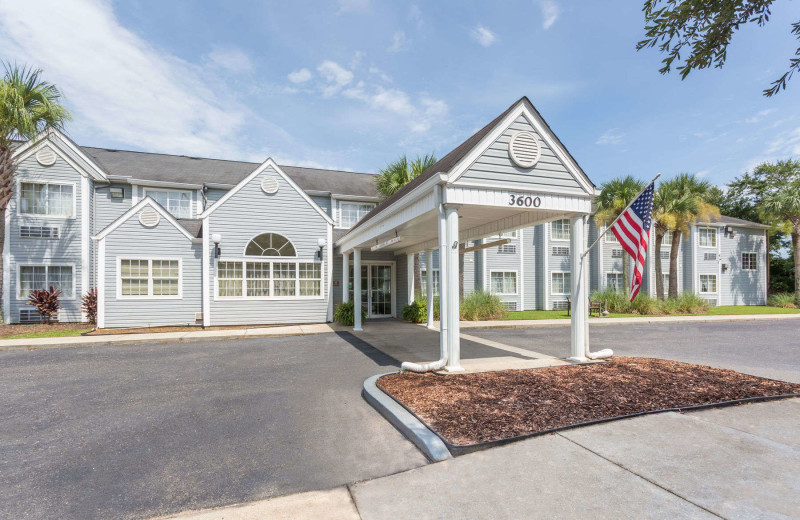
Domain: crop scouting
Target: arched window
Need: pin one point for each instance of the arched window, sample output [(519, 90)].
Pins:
[(270, 244)]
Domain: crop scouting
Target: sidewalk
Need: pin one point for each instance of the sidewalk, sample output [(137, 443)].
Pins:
[(322, 328), (734, 462)]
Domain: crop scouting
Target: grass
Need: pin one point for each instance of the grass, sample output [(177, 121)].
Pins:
[(48, 334), (724, 310)]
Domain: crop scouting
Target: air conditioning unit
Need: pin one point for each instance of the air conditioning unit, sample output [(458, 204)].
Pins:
[(198, 316)]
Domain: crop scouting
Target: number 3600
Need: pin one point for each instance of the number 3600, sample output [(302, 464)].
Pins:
[(525, 200)]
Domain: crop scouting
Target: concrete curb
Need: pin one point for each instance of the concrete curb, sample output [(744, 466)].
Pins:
[(423, 438), (564, 322)]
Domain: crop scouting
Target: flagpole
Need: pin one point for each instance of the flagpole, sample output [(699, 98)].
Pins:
[(608, 227)]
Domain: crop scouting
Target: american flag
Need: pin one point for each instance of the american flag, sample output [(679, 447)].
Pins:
[(632, 229)]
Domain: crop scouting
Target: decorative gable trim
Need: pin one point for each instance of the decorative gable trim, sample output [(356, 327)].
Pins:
[(64, 148), (538, 123), (147, 201), (266, 164)]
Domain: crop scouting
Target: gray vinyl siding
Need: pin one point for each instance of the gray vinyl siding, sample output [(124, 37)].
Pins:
[(688, 243), (133, 240), (594, 255), (107, 210), (469, 271), (141, 192), (497, 261), (64, 250), (213, 195), (531, 245), (251, 212), (739, 286), (324, 203), (495, 169), (556, 264), (707, 266)]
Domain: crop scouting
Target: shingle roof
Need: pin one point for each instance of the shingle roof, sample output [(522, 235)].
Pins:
[(195, 170), (194, 226), (733, 221)]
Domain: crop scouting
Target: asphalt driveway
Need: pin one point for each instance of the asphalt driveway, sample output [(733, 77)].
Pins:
[(137, 431)]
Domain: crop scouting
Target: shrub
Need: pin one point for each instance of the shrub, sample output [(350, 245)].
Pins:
[(480, 305), (689, 303), (416, 311), (344, 313), (616, 301), (644, 305), (785, 300), (46, 303), (89, 305)]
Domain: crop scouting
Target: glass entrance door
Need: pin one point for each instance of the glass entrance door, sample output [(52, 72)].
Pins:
[(376, 289)]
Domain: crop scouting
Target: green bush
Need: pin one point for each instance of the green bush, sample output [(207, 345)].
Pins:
[(416, 311), (643, 304), (617, 302), (480, 305), (344, 313), (689, 303), (785, 300)]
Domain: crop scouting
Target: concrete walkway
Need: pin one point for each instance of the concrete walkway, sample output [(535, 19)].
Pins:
[(734, 462)]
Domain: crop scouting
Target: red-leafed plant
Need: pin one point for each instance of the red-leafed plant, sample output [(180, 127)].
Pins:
[(46, 303), (89, 305)]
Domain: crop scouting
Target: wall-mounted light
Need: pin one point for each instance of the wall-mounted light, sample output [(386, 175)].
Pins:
[(216, 238), (321, 245), (116, 192)]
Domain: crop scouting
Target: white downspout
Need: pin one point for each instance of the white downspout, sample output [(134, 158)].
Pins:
[(442, 361)]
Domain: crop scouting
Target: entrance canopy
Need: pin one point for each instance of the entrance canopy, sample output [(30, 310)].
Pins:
[(513, 173)]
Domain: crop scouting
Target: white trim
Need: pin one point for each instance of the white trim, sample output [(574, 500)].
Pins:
[(270, 260), (550, 228), (716, 284), (149, 295), (716, 236), (134, 194), (543, 133), (513, 152), (101, 283), (693, 238), (147, 201), (336, 203), (46, 137), (568, 289), (28, 180), (410, 278), (546, 267), (269, 162), (204, 274), (46, 265), (330, 259), (291, 257), (521, 281), (741, 260), (85, 238), (367, 264), (145, 189), (504, 271), (198, 201), (605, 280), (7, 267)]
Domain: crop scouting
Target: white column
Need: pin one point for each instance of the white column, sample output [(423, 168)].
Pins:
[(444, 282), (429, 285), (205, 305), (345, 277), (453, 303), (357, 289), (410, 277), (101, 283), (579, 296)]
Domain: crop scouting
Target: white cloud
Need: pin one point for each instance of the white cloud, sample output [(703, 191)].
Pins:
[(483, 36), (355, 61), (550, 12), (611, 136), (399, 42), (415, 16), (759, 116), (119, 87), (300, 76), (335, 75), (354, 6), (786, 143), (703, 173), (230, 58)]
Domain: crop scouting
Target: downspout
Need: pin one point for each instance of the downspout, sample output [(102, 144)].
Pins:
[(442, 361)]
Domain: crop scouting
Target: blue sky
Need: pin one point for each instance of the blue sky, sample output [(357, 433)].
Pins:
[(352, 84)]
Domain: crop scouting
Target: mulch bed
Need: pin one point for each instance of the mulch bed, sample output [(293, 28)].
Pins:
[(32, 328), (473, 408)]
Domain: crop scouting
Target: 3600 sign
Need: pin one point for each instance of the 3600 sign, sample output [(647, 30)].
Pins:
[(525, 201)]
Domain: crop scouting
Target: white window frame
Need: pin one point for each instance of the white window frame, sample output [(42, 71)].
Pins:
[(436, 286), (171, 190), (568, 289), (290, 257), (569, 230), (149, 295), (666, 240), (700, 237), (22, 181), (754, 261), (610, 237), (617, 274), (700, 283), (504, 272), (338, 207), (270, 260), (47, 276)]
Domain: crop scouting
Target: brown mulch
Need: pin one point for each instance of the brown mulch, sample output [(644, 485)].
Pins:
[(14, 329), (488, 406)]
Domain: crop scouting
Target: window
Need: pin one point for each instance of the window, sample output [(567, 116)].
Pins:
[(749, 261), (665, 279), (665, 255), (709, 256), (611, 238), (509, 249), (177, 202), (268, 279), (32, 277), (52, 200), (149, 278), (707, 237), (504, 282), (270, 244), (614, 281), (38, 232), (708, 283), (667, 239), (351, 212), (559, 229), (424, 281), (616, 253), (560, 251), (560, 283)]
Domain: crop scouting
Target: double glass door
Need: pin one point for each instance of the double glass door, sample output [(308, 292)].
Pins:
[(376, 289)]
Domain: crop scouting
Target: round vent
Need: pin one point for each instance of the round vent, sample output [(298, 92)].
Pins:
[(524, 149), (149, 217), (46, 156), (269, 185)]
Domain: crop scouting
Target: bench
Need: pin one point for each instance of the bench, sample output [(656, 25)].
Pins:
[(593, 306)]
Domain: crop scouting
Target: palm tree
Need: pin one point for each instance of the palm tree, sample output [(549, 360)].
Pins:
[(615, 196), (668, 206), (28, 106), (783, 204), (396, 175), (691, 195)]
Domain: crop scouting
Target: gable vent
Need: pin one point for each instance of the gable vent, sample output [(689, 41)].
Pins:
[(524, 149), (46, 156), (269, 185), (149, 217)]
